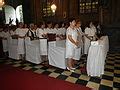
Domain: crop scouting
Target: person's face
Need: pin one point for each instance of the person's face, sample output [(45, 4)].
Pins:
[(73, 23), (50, 25), (35, 27), (56, 26), (78, 24), (20, 25), (91, 24), (25, 25), (43, 26), (32, 27)]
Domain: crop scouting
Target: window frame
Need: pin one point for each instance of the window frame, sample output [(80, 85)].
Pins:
[(86, 6)]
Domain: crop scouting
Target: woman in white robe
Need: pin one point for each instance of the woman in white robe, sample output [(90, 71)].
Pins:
[(5, 35), (21, 32), (90, 31), (71, 44), (43, 40), (79, 38)]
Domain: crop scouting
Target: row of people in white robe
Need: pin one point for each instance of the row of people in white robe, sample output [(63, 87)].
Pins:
[(21, 32), (39, 33)]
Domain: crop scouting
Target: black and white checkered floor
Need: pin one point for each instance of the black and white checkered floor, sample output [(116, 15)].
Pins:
[(109, 81)]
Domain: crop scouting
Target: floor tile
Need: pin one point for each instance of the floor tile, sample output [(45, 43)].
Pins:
[(16, 65), (117, 68), (82, 82), (92, 85), (107, 82), (109, 70), (111, 62), (71, 79), (116, 85), (117, 65), (27, 68), (59, 71), (46, 72), (107, 73), (62, 77), (103, 87), (8, 63), (105, 77), (67, 73), (109, 66), (75, 75), (116, 75), (17, 61), (38, 66), (84, 77), (44, 68), (39, 71), (95, 79), (54, 75), (116, 79), (78, 71), (117, 71), (51, 69), (116, 89), (34, 69)]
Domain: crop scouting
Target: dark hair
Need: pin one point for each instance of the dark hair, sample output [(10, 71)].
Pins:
[(88, 24), (71, 19), (78, 20), (49, 22), (6, 27)]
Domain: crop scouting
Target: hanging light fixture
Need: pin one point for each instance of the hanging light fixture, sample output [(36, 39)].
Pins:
[(53, 7), (2, 3)]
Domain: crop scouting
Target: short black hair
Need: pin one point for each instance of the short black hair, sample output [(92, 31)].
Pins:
[(71, 19)]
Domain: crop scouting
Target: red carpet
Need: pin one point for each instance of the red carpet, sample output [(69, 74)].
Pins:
[(17, 79)]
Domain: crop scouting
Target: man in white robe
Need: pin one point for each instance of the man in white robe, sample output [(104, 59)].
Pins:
[(21, 32)]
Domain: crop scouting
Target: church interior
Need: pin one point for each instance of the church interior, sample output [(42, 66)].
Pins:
[(40, 43)]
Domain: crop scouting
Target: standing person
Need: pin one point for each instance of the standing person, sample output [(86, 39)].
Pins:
[(1, 45), (79, 38), (90, 31), (32, 33), (71, 44), (41, 31), (21, 32), (5, 36)]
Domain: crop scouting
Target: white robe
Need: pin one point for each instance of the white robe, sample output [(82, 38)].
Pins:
[(70, 47), (90, 32), (40, 32), (78, 50), (43, 42), (5, 41), (48, 30), (21, 45)]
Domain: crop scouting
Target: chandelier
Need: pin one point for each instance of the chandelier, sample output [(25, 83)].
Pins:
[(53, 7), (1, 3)]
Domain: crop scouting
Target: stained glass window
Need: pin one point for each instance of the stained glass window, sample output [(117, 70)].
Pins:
[(46, 9), (88, 6)]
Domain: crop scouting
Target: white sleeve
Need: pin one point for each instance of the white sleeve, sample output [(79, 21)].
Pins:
[(17, 31), (87, 31), (40, 33)]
